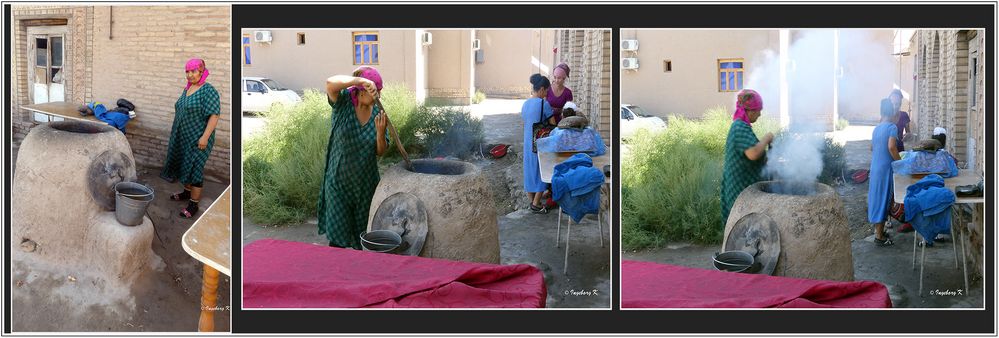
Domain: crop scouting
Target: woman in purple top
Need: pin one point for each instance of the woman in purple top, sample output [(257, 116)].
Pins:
[(559, 94), (903, 117)]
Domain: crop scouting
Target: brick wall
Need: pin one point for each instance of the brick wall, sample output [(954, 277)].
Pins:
[(137, 53), (450, 96), (588, 53), (942, 88), (141, 58), (515, 92), (943, 96), (74, 71)]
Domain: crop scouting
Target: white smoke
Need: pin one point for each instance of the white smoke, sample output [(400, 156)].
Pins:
[(827, 70)]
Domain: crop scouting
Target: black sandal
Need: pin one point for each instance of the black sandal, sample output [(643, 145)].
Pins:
[(539, 210), (186, 195), (883, 242), (190, 211)]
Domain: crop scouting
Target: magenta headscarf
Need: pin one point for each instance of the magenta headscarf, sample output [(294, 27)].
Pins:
[(193, 64), (747, 99), (564, 67), (369, 73)]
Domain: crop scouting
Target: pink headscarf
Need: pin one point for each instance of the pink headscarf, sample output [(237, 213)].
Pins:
[(564, 67), (193, 64), (369, 73), (747, 99)]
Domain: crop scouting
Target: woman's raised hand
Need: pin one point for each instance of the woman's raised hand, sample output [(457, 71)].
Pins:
[(768, 138), (380, 122), (369, 86)]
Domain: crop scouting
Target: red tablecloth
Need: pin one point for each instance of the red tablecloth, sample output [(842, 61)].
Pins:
[(283, 274), (653, 285)]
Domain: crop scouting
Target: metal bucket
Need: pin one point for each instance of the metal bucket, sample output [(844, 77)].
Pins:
[(380, 240), (733, 261), (131, 200)]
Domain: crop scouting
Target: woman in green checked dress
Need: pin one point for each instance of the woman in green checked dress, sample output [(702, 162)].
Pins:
[(192, 136), (357, 138), (744, 153)]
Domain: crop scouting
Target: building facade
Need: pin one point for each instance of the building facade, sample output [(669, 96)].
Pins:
[(810, 77), (102, 53), (950, 93), (445, 66)]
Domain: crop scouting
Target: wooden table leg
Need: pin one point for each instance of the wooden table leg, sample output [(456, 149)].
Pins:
[(209, 296)]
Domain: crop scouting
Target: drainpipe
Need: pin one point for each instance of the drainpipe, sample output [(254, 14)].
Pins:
[(785, 41), (837, 71)]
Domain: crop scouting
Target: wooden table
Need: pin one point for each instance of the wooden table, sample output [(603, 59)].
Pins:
[(964, 177), (65, 110), (209, 241), (548, 161)]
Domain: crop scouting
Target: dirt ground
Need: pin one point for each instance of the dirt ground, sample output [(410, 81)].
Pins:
[(891, 266), (524, 237), (167, 298)]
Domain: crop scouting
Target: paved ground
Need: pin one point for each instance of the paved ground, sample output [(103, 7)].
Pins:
[(524, 237), (892, 266), (166, 299)]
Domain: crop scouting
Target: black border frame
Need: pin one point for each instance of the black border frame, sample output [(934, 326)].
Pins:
[(616, 17)]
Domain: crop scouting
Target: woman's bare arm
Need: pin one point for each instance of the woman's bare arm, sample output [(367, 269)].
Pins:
[(212, 122), (336, 83), (893, 149)]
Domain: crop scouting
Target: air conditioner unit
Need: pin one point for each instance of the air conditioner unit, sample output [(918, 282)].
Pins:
[(262, 36), (629, 45), (476, 44), (629, 63), (427, 38)]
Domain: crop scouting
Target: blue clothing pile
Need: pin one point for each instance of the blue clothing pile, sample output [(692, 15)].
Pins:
[(576, 186), (927, 207), (584, 140), (925, 162), (115, 117)]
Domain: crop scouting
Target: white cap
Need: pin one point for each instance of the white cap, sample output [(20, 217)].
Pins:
[(938, 131), (570, 105)]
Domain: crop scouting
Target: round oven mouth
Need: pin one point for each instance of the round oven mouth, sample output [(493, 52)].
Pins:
[(80, 127), (439, 167), (793, 188)]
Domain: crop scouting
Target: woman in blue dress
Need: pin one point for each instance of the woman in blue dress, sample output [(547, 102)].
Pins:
[(535, 110), (884, 148)]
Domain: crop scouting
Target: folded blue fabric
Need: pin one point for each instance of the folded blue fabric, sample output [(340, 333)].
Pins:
[(927, 206), (923, 162), (113, 118), (573, 140), (576, 186)]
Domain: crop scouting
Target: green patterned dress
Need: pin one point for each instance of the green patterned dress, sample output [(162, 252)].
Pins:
[(184, 161), (350, 177), (740, 172)]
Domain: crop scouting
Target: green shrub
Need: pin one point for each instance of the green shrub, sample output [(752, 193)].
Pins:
[(446, 131), (842, 123), (671, 181), (401, 105), (479, 97), (283, 163), (833, 162)]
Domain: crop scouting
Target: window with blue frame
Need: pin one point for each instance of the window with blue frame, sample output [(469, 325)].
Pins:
[(246, 49), (365, 48), (730, 75)]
